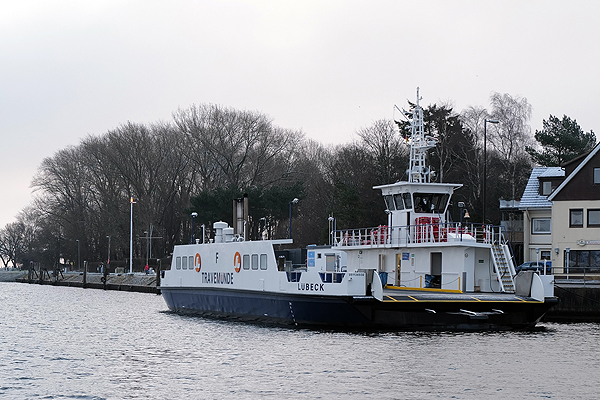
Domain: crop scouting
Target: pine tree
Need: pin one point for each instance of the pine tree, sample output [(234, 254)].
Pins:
[(560, 141)]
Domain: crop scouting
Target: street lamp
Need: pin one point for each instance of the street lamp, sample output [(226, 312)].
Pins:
[(485, 121), (193, 215), (78, 256), (108, 258), (332, 229), (290, 226), (131, 202)]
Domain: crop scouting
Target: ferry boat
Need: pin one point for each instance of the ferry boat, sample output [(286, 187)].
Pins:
[(421, 271)]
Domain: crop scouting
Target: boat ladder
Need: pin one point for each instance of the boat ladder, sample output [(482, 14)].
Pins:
[(503, 266)]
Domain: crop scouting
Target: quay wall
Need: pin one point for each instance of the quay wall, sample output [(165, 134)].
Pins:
[(124, 282), (576, 303)]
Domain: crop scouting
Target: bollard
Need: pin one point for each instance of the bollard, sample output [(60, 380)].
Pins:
[(158, 277)]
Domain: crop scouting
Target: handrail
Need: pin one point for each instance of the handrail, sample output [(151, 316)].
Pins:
[(386, 236)]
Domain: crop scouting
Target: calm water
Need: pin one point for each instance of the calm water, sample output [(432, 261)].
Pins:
[(71, 343)]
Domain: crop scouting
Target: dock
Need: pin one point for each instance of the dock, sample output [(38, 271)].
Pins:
[(136, 282)]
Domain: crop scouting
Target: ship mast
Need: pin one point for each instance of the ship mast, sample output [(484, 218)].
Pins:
[(418, 171)]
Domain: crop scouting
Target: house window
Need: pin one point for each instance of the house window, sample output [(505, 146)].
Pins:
[(541, 225), (546, 188), (576, 218), (583, 260), (545, 255), (596, 175), (593, 218)]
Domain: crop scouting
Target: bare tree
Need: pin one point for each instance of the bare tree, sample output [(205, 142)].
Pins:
[(236, 148), (510, 137), (386, 148)]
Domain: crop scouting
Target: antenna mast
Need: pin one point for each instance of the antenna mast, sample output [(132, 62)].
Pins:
[(418, 171)]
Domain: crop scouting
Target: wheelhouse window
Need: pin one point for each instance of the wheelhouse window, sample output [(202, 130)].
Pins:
[(576, 218), (407, 200), (541, 225), (178, 263), (399, 202), (593, 218), (389, 202), (430, 202)]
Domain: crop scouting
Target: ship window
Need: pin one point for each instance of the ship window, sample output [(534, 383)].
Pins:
[(263, 261), (399, 202), (407, 200), (246, 261), (183, 262), (596, 176), (294, 276), (430, 202), (191, 262), (439, 202), (254, 261), (178, 263), (389, 202)]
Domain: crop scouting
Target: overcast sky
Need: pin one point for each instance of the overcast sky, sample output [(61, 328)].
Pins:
[(74, 68)]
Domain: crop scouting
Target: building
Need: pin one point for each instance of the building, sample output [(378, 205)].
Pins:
[(576, 215), (561, 214), (537, 212)]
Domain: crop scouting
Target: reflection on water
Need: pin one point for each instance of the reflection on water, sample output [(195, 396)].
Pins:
[(61, 343)]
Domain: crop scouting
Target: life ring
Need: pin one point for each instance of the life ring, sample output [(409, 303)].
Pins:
[(197, 262), (237, 261)]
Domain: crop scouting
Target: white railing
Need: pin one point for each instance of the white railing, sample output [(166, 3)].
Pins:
[(385, 236)]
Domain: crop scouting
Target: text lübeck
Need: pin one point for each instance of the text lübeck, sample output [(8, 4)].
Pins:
[(314, 287)]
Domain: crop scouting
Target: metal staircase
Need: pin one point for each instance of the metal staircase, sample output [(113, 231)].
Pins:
[(503, 266)]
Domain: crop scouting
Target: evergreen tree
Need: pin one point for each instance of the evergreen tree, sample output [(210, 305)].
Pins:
[(560, 141)]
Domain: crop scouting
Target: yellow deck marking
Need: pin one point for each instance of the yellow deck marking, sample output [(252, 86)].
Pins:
[(424, 289)]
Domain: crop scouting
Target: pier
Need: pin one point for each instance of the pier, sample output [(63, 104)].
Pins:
[(137, 282)]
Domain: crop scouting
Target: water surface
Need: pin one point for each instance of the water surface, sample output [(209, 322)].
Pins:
[(73, 343)]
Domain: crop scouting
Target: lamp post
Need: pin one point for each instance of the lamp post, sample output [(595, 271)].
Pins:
[(485, 121), (332, 229), (193, 215), (131, 203), (290, 226), (568, 253), (78, 256), (108, 258)]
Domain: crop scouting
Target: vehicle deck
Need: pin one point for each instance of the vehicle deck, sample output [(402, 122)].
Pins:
[(396, 294)]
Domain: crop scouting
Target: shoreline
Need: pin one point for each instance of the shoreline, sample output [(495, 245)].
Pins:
[(136, 282)]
